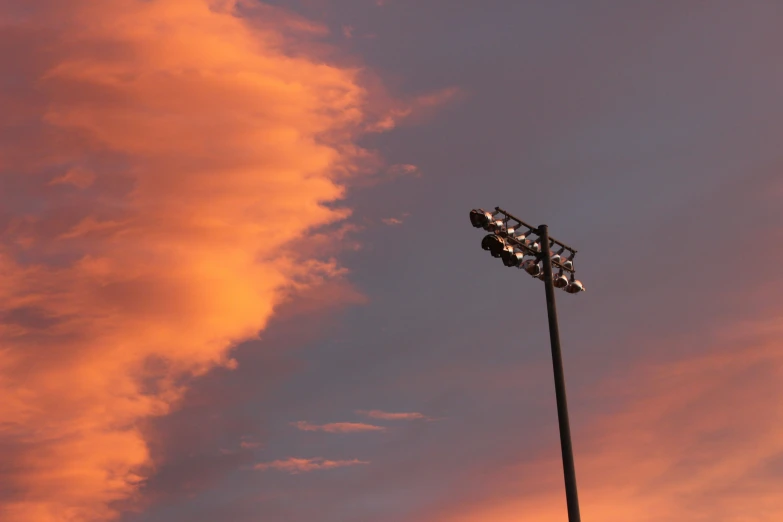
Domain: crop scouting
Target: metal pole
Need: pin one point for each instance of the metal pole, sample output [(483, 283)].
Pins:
[(557, 364)]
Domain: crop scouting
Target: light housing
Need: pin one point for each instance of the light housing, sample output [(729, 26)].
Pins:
[(532, 267), (496, 226), (498, 247), (574, 287), (487, 241), (480, 218), (512, 258), (495, 244), (560, 281)]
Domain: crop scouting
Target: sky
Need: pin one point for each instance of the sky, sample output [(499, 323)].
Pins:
[(238, 281)]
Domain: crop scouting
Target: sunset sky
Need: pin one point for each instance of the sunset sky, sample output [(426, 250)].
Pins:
[(238, 282)]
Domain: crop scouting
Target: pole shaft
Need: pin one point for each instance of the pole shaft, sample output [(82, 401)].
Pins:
[(569, 472)]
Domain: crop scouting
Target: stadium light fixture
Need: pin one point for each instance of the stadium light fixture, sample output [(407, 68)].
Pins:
[(509, 239)]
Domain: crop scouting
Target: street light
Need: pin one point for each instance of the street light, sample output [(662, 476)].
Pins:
[(535, 257)]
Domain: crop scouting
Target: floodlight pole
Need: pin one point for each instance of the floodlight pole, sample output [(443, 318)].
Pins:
[(569, 472)]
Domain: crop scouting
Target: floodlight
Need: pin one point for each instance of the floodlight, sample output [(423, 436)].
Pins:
[(512, 258), (488, 240), (574, 287), (499, 247), (480, 218), (530, 245), (560, 280), (532, 267), (505, 251), (497, 226), (495, 244)]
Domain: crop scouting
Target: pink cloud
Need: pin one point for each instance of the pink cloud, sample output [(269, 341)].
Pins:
[(76, 176), (389, 120), (385, 415), (338, 427), (403, 169), (295, 465), (414, 111)]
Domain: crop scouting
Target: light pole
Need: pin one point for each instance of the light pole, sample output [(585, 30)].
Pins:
[(509, 239)]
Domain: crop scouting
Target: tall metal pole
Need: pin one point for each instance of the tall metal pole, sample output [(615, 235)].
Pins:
[(557, 363)]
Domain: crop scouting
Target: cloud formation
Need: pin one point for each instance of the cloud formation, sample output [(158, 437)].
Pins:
[(157, 161), (337, 427), (403, 169), (413, 111), (385, 415), (295, 465)]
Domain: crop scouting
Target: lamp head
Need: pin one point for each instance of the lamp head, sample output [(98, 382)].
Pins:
[(480, 218), (496, 226), (512, 258), (495, 244), (487, 241), (531, 266), (560, 281)]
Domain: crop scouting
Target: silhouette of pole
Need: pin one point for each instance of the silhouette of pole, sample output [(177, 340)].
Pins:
[(569, 471)]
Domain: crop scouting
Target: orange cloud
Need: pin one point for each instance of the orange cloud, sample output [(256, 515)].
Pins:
[(385, 415), (295, 466), (338, 427), (160, 159)]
